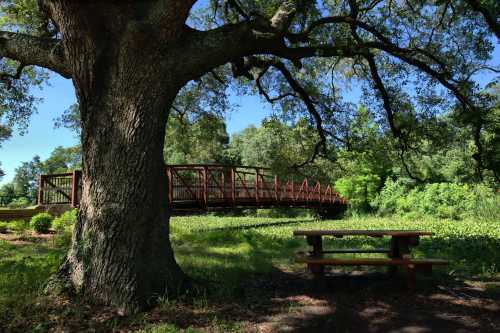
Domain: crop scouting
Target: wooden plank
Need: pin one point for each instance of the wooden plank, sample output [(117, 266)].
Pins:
[(371, 233), (74, 188), (375, 250), (40, 189), (370, 261)]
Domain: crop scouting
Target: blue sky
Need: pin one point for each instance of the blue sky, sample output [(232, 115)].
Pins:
[(41, 137)]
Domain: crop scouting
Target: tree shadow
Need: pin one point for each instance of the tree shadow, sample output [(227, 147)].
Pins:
[(257, 225), (264, 286), (249, 280)]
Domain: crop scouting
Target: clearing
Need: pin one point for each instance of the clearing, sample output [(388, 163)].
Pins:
[(247, 281)]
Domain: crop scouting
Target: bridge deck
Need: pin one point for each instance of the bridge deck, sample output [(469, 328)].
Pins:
[(194, 187)]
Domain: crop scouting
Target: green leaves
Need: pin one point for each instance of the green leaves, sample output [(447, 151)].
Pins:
[(21, 16)]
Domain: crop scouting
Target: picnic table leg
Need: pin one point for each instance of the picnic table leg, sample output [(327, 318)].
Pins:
[(317, 243), (400, 249), (394, 252), (317, 270), (400, 246), (411, 278)]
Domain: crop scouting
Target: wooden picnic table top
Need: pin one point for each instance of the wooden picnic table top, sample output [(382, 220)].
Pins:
[(371, 233)]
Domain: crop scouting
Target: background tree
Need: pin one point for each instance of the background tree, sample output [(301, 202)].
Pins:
[(130, 60), (25, 182)]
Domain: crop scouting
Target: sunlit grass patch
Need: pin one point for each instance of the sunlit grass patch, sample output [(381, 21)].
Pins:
[(243, 245)]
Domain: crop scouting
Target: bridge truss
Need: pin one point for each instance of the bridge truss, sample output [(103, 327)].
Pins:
[(205, 187)]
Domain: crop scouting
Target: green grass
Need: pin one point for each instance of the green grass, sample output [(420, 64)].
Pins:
[(222, 252), (229, 248)]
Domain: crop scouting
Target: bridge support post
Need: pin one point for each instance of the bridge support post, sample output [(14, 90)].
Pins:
[(256, 186), (233, 186), (205, 187), (170, 187), (40, 190), (75, 180), (276, 188)]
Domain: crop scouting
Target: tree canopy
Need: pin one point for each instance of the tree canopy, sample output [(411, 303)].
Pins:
[(412, 60)]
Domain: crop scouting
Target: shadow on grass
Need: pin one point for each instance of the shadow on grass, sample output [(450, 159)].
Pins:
[(249, 279), (257, 225), (256, 273)]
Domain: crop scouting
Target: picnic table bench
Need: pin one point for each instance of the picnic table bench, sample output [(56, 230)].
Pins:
[(398, 252)]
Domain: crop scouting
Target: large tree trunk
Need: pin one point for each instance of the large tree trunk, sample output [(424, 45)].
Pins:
[(125, 83)]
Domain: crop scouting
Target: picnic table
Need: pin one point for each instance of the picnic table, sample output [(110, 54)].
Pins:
[(398, 253)]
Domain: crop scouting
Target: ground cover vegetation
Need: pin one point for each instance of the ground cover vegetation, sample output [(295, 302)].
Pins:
[(238, 260), (428, 111)]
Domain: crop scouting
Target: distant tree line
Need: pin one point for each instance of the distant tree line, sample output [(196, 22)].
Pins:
[(360, 162)]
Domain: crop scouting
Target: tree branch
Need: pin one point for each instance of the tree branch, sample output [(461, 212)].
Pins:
[(37, 51), (490, 18), (7, 77)]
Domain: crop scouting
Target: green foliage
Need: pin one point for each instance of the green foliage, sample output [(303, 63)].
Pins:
[(66, 221), (41, 222), (4, 226), (230, 249), (7, 194), (282, 212), (23, 272), (278, 146), (359, 190), (19, 203), (25, 183), (444, 200), (19, 226), (202, 140), (486, 206)]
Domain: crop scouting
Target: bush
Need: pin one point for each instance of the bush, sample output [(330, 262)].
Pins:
[(486, 205), (19, 203), (359, 191), (442, 200), (3, 227), (19, 225), (41, 223), (65, 221)]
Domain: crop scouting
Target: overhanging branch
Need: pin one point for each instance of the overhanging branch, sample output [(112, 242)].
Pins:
[(37, 51)]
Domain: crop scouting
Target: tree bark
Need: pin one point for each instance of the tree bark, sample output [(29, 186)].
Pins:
[(121, 253)]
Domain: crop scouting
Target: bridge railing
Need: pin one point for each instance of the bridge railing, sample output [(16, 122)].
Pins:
[(216, 185), (61, 188), (204, 186)]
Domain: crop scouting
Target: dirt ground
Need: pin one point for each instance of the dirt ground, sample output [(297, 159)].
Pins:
[(291, 302), (371, 302)]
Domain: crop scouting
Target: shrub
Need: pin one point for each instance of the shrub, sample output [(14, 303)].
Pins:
[(3, 227), (443, 200), (389, 198), (65, 221), (486, 205), (41, 223), (19, 225), (359, 191), (19, 203)]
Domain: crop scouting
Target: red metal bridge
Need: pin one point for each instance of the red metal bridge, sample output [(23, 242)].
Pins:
[(203, 187)]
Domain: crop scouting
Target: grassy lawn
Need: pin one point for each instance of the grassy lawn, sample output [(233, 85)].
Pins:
[(227, 257), (231, 246)]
